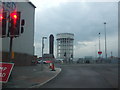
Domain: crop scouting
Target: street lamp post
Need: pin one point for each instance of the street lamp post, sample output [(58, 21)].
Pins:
[(105, 41), (99, 46), (42, 52), (95, 52)]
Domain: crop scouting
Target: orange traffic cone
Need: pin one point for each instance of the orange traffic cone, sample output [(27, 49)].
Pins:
[(53, 67)]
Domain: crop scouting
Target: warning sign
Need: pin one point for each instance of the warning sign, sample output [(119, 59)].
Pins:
[(5, 71)]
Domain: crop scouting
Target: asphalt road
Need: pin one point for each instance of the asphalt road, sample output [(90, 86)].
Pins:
[(85, 76)]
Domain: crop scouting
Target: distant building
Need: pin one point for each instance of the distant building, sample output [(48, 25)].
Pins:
[(23, 46), (51, 44), (88, 58), (65, 45)]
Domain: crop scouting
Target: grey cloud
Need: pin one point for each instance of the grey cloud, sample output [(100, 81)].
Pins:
[(73, 17), (82, 44)]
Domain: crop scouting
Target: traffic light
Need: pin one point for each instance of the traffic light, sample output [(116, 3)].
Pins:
[(14, 24), (3, 22)]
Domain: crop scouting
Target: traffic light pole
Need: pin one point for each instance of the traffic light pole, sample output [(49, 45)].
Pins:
[(13, 21), (10, 49)]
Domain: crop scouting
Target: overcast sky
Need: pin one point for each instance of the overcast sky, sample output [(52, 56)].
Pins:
[(84, 19)]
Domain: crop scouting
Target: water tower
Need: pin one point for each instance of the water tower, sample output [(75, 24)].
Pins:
[(65, 45)]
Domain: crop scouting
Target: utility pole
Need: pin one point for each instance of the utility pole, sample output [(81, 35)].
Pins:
[(42, 51)]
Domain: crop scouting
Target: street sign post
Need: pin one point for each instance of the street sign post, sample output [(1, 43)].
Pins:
[(5, 71)]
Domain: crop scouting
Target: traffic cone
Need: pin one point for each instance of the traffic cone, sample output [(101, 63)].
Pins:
[(53, 67)]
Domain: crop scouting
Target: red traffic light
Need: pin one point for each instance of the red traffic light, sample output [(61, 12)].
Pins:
[(14, 15), (1, 17), (14, 23), (3, 21)]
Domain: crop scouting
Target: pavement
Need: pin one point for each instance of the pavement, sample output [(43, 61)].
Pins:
[(31, 76)]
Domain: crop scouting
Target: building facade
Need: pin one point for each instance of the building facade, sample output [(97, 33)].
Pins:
[(22, 46), (51, 44), (65, 45)]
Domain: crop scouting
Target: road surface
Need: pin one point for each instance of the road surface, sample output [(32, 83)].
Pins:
[(85, 76)]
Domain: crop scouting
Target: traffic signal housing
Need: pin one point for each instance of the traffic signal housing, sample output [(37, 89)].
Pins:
[(3, 23), (14, 24)]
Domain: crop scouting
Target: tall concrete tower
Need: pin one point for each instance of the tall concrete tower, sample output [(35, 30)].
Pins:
[(65, 45), (51, 44)]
